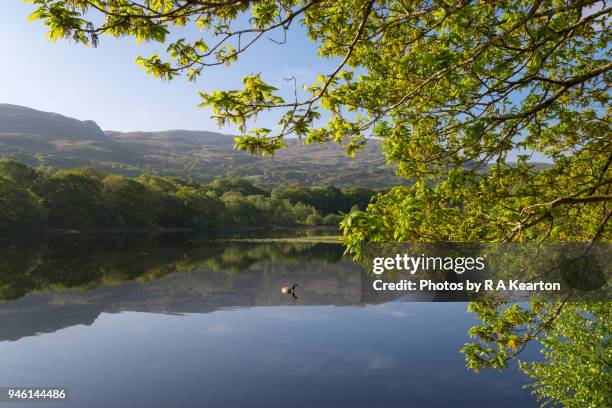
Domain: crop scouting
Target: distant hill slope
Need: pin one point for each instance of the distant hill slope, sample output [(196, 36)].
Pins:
[(47, 125), (49, 139)]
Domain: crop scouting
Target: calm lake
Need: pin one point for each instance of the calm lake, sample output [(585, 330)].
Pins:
[(178, 320)]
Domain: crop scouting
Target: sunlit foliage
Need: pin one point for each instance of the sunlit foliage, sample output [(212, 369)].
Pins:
[(32, 199)]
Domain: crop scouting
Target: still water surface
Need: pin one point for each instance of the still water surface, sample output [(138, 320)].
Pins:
[(185, 321)]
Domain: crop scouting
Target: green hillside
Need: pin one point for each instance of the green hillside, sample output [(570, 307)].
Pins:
[(59, 142)]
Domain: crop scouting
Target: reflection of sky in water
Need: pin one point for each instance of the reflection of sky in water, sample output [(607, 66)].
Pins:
[(169, 321), (394, 354)]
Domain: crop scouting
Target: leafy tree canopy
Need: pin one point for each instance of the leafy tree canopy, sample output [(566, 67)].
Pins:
[(35, 199), (576, 372)]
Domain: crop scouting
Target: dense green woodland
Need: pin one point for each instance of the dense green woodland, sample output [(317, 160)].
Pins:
[(33, 199)]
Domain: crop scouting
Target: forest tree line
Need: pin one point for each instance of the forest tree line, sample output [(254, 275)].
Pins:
[(35, 199)]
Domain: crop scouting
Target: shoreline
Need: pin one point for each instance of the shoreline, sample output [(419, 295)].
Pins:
[(92, 231)]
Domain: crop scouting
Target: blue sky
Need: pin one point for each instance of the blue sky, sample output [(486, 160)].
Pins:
[(106, 85)]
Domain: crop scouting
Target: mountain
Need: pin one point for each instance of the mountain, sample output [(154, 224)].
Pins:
[(21, 120), (49, 139)]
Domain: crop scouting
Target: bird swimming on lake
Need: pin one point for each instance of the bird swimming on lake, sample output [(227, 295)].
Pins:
[(289, 290)]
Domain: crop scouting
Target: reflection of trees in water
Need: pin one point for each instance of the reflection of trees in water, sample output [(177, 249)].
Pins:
[(85, 261), (18, 265)]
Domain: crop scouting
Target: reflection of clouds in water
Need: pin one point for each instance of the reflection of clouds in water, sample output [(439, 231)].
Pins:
[(394, 309), (380, 362), (299, 317), (367, 360), (331, 364), (219, 329)]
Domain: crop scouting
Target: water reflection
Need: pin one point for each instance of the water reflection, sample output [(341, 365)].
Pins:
[(179, 320), (60, 281)]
